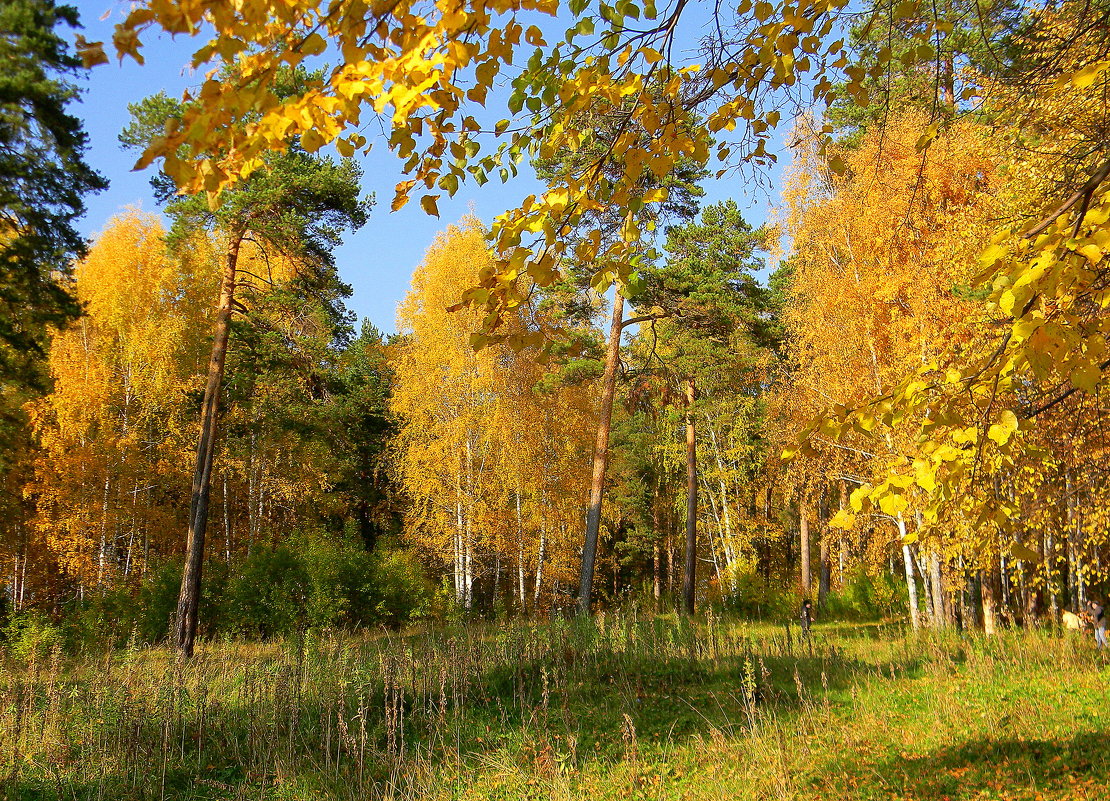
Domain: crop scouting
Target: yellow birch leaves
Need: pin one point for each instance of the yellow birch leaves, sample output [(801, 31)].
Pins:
[(426, 71), (492, 467)]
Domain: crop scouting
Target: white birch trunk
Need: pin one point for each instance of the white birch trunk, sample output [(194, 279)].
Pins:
[(540, 557), (911, 583)]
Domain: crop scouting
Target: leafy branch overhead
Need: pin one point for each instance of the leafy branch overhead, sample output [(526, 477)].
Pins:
[(427, 73)]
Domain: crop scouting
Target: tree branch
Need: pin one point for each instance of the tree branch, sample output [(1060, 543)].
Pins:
[(1061, 397), (645, 318), (1084, 193)]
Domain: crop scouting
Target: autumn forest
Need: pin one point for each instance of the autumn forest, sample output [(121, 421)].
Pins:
[(617, 434)]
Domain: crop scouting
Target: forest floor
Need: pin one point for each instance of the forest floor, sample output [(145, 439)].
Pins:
[(655, 708)]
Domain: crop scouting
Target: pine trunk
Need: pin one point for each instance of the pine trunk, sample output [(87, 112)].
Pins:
[(188, 601), (601, 456), (691, 565)]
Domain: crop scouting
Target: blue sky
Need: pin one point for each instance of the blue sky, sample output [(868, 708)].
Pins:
[(379, 259)]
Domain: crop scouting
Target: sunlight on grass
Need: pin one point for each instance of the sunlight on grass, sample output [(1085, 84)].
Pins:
[(620, 708)]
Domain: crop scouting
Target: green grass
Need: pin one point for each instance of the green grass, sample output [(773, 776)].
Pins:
[(656, 708)]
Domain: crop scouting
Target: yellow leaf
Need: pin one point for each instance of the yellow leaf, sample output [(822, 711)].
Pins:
[(92, 53), (905, 10), (428, 203), (928, 136), (1089, 74), (1086, 377), (1092, 252), (1007, 424), (992, 255), (314, 45), (401, 196), (892, 504), (1006, 301), (925, 475), (311, 140)]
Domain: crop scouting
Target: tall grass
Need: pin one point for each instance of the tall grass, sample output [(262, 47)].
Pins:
[(620, 706)]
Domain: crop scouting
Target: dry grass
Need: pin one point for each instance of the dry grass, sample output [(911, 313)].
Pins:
[(620, 708)]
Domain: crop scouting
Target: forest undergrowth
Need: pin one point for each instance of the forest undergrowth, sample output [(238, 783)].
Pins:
[(625, 706)]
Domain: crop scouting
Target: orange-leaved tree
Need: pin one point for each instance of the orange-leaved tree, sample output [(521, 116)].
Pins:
[(879, 288)]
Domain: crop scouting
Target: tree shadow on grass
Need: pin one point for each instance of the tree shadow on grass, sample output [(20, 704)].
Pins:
[(1075, 769), (590, 695), (665, 699)]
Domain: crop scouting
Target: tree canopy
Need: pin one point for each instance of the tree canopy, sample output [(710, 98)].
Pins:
[(43, 182), (927, 356)]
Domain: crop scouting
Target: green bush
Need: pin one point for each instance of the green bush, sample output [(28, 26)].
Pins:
[(752, 596), (156, 601), (31, 635), (401, 590), (99, 620), (314, 581), (866, 597), (125, 613), (267, 594)]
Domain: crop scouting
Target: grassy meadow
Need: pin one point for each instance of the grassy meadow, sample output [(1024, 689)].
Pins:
[(617, 708)]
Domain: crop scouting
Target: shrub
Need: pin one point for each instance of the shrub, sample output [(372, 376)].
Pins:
[(156, 601), (142, 614), (268, 593), (31, 635), (867, 597), (752, 596), (312, 581), (400, 588), (315, 581), (98, 620)]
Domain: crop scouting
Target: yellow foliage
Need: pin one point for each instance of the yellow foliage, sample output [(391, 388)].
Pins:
[(883, 259), (112, 434), (494, 470)]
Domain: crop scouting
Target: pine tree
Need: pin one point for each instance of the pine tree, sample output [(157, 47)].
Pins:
[(296, 205), (43, 182)]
